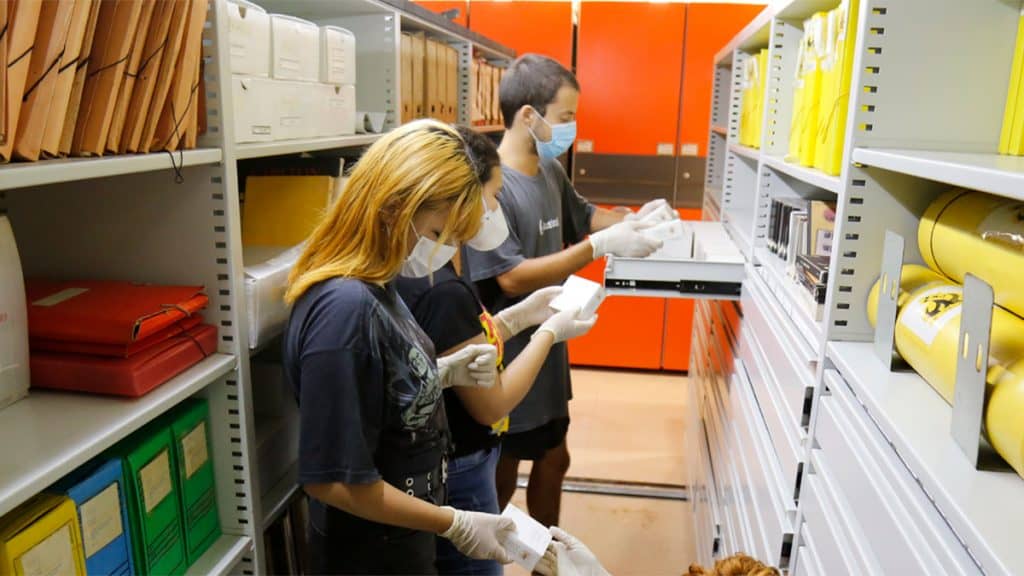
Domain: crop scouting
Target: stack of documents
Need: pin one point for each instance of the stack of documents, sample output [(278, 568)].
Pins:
[(755, 73), (116, 338), (1011, 139), (430, 78), (100, 77)]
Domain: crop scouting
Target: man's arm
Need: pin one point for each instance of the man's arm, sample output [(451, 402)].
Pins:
[(535, 273)]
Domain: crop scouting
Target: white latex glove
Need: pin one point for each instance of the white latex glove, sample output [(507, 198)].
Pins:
[(574, 558), (566, 325), (663, 213), (624, 239), (535, 309), (480, 536), (474, 365), (647, 209)]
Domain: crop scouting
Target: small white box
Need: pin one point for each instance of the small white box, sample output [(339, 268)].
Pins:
[(336, 110), (14, 364), (530, 541), (266, 278), (249, 36), (294, 110), (676, 237), (294, 48), (255, 100), (581, 293), (337, 55)]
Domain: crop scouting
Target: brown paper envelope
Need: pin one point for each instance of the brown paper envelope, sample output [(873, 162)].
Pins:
[(67, 133), (419, 61), (406, 67), (124, 95), (185, 88), (22, 19), (51, 34), (193, 118), (453, 84), (60, 101), (3, 70), (165, 76), (147, 75)]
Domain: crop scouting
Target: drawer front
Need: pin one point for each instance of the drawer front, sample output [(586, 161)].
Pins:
[(820, 524), (721, 466), (806, 563)]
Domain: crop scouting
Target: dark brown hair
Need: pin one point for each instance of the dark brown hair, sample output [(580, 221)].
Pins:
[(481, 151), (532, 80)]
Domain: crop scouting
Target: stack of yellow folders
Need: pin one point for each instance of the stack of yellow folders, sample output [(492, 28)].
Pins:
[(807, 91), (840, 39), (1011, 139), (755, 74)]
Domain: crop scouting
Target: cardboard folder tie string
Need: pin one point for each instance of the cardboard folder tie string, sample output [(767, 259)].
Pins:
[(179, 119), (19, 58), (146, 61), (42, 76), (111, 65)]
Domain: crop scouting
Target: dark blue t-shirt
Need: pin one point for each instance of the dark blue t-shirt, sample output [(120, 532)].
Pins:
[(365, 377)]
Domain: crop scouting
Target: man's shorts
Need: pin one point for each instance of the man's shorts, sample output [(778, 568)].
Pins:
[(533, 444)]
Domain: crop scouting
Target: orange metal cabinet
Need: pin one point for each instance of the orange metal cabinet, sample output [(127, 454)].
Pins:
[(628, 61), (541, 27), (443, 5)]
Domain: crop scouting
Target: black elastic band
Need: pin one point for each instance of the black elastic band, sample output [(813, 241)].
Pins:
[(83, 62), (179, 178), (111, 65), (66, 66), (145, 61), (3, 31), (42, 76), (18, 59)]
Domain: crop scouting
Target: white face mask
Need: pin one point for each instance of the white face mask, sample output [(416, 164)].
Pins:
[(427, 257), (493, 232)]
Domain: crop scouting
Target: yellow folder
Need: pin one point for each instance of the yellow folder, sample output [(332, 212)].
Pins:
[(42, 536), (283, 210), (796, 123), (815, 27), (1013, 117), (836, 106)]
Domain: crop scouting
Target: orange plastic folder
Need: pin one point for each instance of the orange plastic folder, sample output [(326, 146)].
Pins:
[(51, 35), (107, 312), (53, 124), (133, 376), (116, 350), (23, 15)]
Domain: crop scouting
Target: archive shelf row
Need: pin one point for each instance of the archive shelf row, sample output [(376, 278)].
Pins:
[(176, 219), (900, 152)]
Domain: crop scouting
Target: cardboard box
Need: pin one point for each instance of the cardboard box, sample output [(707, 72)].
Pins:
[(578, 292), (266, 279), (335, 109), (193, 465), (14, 358), (294, 48), (249, 36), (294, 110), (253, 99), (42, 537), (99, 497), (337, 55)]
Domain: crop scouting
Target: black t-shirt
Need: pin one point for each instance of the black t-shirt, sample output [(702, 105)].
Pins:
[(365, 377), (450, 312)]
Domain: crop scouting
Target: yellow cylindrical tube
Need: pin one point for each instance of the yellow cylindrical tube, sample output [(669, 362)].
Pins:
[(965, 231), (912, 277), (927, 336)]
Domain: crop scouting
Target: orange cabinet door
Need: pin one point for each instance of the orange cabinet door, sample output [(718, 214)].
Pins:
[(540, 27)]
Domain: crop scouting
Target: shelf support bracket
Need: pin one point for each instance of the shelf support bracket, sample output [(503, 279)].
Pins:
[(888, 297)]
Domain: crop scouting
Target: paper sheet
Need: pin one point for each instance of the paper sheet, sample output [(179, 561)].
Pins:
[(530, 541)]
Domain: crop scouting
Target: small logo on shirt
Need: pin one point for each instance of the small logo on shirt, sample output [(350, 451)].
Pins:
[(549, 225)]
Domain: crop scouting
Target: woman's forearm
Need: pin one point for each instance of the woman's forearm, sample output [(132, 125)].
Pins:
[(487, 406), (383, 503)]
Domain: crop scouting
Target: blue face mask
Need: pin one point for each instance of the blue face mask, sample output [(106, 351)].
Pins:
[(562, 137)]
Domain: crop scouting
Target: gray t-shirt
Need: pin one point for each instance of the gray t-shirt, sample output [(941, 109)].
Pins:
[(544, 213)]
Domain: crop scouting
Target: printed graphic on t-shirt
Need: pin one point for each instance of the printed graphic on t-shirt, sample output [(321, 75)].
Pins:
[(549, 225)]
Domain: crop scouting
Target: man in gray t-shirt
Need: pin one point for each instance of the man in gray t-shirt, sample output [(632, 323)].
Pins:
[(548, 227)]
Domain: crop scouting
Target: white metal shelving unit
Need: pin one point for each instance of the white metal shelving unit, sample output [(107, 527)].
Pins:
[(881, 485), (125, 218)]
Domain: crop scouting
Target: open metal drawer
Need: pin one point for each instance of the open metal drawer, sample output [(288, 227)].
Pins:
[(713, 268)]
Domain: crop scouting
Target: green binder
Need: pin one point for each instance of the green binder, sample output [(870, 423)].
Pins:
[(151, 493), (197, 494)]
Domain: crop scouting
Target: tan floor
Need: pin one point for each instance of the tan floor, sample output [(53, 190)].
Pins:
[(627, 426)]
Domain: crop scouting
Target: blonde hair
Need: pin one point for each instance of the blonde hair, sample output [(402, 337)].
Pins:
[(736, 565), (422, 165)]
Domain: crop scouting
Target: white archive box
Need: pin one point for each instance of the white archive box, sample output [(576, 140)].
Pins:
[(254, 102), (294, 48), (708, 266), (294, 110), (577, 292), (266, 278), (335, 109), (337, 55), (14, 375), (249, 36)]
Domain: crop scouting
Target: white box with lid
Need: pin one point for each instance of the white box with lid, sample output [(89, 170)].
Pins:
[(294, 48), (337, 55), (254, 101), (335, 110), (249, 37)]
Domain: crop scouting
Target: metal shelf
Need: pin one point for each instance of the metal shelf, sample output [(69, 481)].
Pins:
[(792, 298), (811, 176), (22, 174), (984, 508), (224, 555), (49, 434), (280, 148), (279, 496), (745, 151), (992, 173)]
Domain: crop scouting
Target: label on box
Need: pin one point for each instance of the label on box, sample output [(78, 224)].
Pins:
[(927, 314), (101, 520), (194, 447), (54, 556), (155, 478), (62, 296)]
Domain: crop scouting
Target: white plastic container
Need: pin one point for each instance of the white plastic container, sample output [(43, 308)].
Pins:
[(294, 48), (266, 278), (249, 36), (14, 375), (337, 55)]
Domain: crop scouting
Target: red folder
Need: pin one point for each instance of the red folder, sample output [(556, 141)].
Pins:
[(106, 312), (115, 350), (133, 376)]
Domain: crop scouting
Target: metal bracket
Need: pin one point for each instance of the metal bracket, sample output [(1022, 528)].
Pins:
[(967, 424), (888, 297)]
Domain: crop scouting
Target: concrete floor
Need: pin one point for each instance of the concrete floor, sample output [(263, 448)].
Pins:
[(627, 426)]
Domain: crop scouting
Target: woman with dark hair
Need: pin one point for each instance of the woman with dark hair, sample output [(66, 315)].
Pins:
[(449, 311)]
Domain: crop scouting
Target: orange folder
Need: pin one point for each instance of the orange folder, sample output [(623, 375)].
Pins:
[(185, 88), (3, 71), (175, 41), (124, 95), (62, 86), (148, 74), (116, 350), (51, 34), (67, 131), (106, 312), (22, 18)]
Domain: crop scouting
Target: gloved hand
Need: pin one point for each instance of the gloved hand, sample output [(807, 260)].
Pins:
[(654, 211), (565, 325), (474, 365), (479, 535), (624, 239), (574, 558), (535, 309)]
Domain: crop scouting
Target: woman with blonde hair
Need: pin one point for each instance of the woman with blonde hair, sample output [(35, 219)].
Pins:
[(373, 427)]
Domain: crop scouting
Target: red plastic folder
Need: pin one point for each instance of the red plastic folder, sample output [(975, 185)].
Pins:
[(106, 312), (116, 350), (133, 376)]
